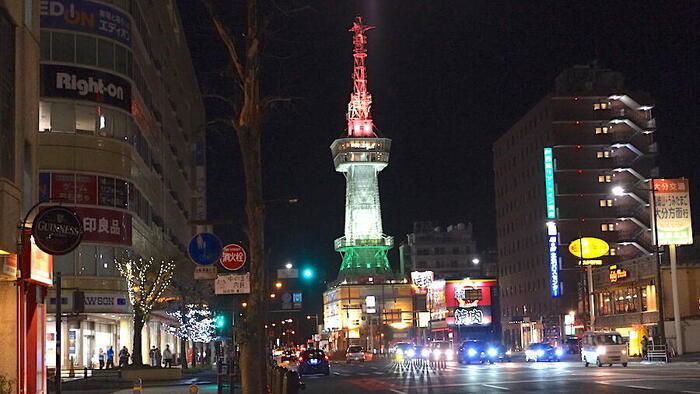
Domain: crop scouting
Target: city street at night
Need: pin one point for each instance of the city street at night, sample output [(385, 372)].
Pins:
[(553, 377)]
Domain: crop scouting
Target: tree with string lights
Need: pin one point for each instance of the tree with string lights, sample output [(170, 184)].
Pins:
[(196, 324), (146, 280)]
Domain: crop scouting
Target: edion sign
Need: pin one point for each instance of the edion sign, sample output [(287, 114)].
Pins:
[(233, 257)]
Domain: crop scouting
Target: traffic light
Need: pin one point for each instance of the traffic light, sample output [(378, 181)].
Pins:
[(307, 273), (220, 321)]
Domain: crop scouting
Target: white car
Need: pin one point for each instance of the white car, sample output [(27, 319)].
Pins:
[(603, 347), (355, 353)]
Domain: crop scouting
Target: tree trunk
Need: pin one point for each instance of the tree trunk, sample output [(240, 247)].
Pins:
[(138, 328), (183, 353), (194, 354)]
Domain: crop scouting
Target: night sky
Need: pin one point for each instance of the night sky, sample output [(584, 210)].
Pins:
[(447, 78)]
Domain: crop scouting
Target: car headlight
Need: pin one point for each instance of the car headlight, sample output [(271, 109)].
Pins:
[(411, 353), (540, 353), (508, 352), (436, 352), (624, 352), (601, 350), (492, 352), (425, 352), (471, 352), (559, 352), (529, 353), (399, 352)]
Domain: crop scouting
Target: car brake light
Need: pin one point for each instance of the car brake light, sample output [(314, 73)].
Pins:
[(326, 357), (301, 359)]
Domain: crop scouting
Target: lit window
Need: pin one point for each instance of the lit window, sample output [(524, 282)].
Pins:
[(597, 106), (604, 178), (612, 251), (606, 203), (602, 154), (602, 130), (607, 227)]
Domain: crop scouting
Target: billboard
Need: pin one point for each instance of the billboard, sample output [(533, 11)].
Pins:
[(105, 225), (464, 302), (87, 17), (421, 280), (553, 243), (549, 183), (77, 83), (672, 208)]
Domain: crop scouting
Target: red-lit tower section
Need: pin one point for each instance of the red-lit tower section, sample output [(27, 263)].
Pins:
[(359, 116)]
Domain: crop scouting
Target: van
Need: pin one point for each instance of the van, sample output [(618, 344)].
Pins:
[(604, 347)]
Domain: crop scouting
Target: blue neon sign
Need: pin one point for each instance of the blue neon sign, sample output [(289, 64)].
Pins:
[(549, 183), (553, 243)]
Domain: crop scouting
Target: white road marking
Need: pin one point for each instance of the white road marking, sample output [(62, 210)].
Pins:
[(496, 387), (398, 391), (640, 387)]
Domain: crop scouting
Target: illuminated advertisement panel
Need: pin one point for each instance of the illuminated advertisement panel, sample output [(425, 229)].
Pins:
[(555, 288), (462, 302), (549, 183)]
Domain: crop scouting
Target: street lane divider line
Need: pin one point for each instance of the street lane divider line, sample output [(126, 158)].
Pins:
[(493, 386)]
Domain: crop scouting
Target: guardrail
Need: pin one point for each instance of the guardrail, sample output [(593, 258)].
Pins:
[(281, 380), (657, 353), (84, 373)]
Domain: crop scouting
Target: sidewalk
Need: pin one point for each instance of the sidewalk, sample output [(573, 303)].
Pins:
[(202, 379)]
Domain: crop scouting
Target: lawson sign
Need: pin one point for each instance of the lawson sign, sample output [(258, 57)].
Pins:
[(87, 17), (105, 302)]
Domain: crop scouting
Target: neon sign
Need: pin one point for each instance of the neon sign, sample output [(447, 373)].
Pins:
[(549, 183), (555, 289), (617, 273)]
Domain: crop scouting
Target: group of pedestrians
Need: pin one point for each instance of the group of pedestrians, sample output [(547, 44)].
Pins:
[(106, 359)]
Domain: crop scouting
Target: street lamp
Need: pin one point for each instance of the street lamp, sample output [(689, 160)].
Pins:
[(475, 261), (620, 191), (288, 266), (278, 285)]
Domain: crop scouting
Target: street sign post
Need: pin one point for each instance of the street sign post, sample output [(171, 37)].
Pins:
[(232, 284), (205, 248), (233, 257), (205, 272)]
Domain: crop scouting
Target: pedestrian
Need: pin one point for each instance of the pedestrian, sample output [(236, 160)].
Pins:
[(168, 357), (645, 346), (101, 358), (152, 356), (110, 358), (123, 357), (159, 358)]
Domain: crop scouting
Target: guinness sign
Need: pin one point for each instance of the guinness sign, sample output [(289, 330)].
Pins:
[(57, 230)]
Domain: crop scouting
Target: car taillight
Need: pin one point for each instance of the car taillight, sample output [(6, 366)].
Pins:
[(301, 359), (326, 357)]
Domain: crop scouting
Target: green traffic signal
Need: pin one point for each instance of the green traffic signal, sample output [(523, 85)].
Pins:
[(308, 273), (220, 321)]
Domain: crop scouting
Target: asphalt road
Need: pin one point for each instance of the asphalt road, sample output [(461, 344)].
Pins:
[(551, 377)]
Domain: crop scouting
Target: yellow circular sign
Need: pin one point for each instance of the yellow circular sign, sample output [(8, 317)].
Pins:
[(592, 248)]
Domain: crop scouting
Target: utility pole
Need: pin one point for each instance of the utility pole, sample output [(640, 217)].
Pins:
[(58, 331)]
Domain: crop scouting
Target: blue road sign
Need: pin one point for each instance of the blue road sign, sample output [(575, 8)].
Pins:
[(205, 248)]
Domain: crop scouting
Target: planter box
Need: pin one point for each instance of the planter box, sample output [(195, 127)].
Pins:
[(149, 374)]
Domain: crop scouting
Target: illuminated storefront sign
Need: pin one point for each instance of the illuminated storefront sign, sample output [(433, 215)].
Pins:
[(672, 207), (87, 17), (555, 290), (617, 273), (589, 248), (371, 304), (464, 302), (549, 183), (421, 281)]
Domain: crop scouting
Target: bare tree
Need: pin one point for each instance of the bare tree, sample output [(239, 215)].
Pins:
[(246, 119)]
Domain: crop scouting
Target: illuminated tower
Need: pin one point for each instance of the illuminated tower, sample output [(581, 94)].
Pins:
[(360, 156)]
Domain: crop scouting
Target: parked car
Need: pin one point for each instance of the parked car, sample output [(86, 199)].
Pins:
[(496, 352), (471, 350), (604, 347), (542, 351), (355, 353), (313, 361)]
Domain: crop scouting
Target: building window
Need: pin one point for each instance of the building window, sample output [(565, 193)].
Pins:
[(7, 97), (602, 130), (612, 251), (602, 154), (606, 203), (598, 106), (607, 227), (604, 178)]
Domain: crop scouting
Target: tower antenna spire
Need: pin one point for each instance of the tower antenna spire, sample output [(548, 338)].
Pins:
[(359, 116)]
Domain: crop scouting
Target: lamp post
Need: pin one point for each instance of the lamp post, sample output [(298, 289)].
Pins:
[(620, 191)]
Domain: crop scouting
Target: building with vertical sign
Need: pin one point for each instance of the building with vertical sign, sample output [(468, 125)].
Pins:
[(121, 137), (555, 171), (22, 299)]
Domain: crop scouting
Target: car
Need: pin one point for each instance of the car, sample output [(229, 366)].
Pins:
[(495, 351), (355, 353), (404, 351), (313, 361), (604, 347), (442, 350), (542, 351), (572, 345), (471, 350), (288, 355)]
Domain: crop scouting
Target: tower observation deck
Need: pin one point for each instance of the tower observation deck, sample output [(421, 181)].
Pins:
[(360, 156)]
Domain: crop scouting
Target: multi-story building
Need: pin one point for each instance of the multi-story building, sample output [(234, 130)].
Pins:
[(120, 138), (555, 171), (22, 302), (449, 253)]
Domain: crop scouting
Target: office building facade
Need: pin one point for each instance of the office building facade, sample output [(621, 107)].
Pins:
[(555, 172), (120, 138)]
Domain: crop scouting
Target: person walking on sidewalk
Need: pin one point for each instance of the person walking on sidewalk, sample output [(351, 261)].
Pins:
[(159, 358), (168, 357), (124, 357), (110, 358), (645, 346), (152, 356)]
